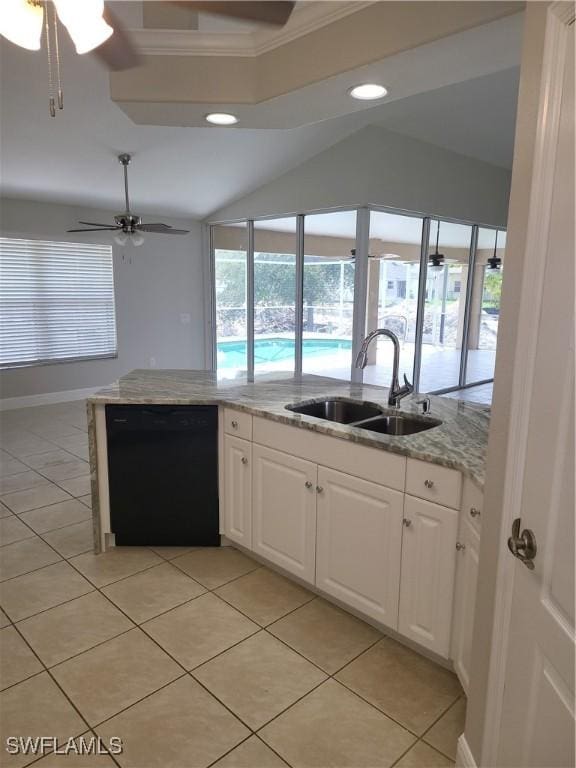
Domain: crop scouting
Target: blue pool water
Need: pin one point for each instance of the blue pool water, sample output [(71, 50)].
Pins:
[(232, 354)]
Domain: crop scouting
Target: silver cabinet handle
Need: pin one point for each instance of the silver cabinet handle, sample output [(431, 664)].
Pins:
[(234, 424), (407, 523), (429, 483), (319, 489), (244, 460), (474, 512), (308, 484), (460, 547)]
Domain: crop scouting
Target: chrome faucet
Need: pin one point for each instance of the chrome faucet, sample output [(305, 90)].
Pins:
[(396, 392)]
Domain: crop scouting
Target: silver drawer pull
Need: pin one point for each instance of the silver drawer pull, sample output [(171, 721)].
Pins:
[(460, 547), (474, 512), (308, 484), (429, 483), (234, 424), (406, 522), (244, 460)]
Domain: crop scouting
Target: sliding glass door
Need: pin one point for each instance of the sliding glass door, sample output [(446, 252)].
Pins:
[(392, 295), (230, 245), (445, 305), (485, 305), (328, 293), (299, 293), (274, 295)]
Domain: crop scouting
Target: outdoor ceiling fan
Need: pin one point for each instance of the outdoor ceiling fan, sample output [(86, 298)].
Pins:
[(127, 225), (93, 27)]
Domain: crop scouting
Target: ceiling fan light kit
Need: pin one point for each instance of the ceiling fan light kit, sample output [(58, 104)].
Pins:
[(128, 227), (84, 21), (21, 23)]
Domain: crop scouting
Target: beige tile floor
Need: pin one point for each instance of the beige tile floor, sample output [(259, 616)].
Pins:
[(193, 657)]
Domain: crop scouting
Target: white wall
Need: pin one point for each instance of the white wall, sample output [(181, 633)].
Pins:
[(380, 167), (163, 280)]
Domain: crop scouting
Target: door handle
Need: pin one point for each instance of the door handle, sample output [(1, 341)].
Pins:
[(523, 545)]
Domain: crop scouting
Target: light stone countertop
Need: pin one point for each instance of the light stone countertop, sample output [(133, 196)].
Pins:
[(459, 442)]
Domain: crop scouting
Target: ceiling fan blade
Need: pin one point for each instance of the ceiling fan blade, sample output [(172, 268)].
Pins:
[(118, 52), (267, 12), (96, 224), (161, 229), (96, 229)]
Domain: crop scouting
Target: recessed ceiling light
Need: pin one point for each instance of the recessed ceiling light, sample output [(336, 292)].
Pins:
[(221, 118), (368, 91)]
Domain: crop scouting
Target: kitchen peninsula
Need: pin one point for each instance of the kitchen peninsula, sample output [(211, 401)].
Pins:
[(385, 525)]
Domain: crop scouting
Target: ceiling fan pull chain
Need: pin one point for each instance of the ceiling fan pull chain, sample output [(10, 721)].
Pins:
[(57, 51), (51, 101)]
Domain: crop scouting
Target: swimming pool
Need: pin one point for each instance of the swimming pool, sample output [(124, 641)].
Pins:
[(232, 354)]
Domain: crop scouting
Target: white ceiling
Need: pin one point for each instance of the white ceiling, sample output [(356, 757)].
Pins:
[(474, 118), (194, 171), (389, 227)]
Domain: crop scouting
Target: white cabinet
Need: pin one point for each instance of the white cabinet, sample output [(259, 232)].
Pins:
[(427, 574), (359, 537), (238, 490), (465, 599), (284, 510)]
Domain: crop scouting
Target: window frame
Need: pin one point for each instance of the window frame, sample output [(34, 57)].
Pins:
[(360, 292), (65, 240)]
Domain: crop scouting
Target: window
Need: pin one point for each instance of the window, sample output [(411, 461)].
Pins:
[(299, 293), (56, 302)]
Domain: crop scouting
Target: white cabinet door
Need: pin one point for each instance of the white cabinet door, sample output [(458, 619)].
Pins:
[(284, 510), (238, 490), (427, 575), (359, 538), (465, 600)]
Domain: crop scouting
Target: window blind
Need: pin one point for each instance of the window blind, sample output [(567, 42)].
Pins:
[(56, 302)]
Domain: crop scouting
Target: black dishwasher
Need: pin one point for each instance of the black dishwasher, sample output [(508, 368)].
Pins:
[(163, 474)]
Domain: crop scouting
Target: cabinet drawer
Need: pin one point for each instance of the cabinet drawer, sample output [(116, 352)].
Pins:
[(373, 464), (433, 483), (472, 504), (238, 423)]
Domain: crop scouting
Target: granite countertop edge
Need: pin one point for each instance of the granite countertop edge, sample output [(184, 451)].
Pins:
[(458, 443)]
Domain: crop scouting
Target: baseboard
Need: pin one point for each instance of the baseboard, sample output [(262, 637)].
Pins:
[(464, 757), (11, 403)]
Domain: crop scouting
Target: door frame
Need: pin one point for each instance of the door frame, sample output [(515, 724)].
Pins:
[(558, 19)]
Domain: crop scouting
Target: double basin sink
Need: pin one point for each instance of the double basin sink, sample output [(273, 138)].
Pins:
[(364, 416)]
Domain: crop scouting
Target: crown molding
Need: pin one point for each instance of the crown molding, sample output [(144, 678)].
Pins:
[(191, 42), (306, 19)]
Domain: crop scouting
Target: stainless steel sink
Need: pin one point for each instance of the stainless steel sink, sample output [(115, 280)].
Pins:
[(398, 425), (342, 411)]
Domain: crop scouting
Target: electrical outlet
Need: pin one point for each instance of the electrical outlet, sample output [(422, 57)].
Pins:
[(185, 318), (152, 362)]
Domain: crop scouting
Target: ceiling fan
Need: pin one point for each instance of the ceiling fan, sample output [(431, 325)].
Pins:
[(127, 225), (93, 27)]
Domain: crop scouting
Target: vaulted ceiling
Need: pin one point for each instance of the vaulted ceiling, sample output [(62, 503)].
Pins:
[(191, 171)]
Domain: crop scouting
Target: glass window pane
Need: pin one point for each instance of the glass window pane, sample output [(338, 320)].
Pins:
[(274, 295), (393, 274), (329, 243), (230, 252), (444, 307), (485, 306)]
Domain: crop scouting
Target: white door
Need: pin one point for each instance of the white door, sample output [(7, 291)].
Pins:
[(537, 716), (427, 573), (468, 548), (359, 538), (238, 490), (284, 510)]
